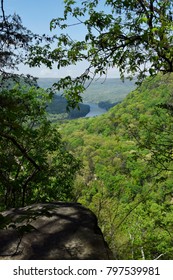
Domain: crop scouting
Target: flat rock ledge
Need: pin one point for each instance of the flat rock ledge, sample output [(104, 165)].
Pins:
[(52, 231)]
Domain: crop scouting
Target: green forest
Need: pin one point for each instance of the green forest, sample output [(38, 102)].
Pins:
[(118, 164), (126, 178)]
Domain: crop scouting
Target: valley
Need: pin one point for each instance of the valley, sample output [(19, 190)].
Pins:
[(100, 96)]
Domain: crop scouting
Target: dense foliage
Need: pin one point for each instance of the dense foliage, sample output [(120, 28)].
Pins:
[(127, 175), (34, 162)]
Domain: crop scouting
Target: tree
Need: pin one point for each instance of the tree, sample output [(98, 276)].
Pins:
[(135, 36), (34, 162), (15, 42)]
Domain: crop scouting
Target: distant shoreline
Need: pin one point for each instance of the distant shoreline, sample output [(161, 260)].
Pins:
[(95, 110)]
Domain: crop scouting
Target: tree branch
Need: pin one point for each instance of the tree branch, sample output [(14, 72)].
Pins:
[(2, 9), (22, 149)]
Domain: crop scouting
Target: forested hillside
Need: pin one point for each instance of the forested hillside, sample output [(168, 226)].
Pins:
[(57, 109), (127, 177)]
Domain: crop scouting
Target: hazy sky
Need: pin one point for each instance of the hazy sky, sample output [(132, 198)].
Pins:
[(36, 16)]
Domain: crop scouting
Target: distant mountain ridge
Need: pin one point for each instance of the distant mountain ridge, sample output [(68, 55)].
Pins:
[(101, 90)]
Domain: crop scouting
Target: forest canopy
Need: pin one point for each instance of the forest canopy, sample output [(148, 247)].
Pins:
[(127, 173)]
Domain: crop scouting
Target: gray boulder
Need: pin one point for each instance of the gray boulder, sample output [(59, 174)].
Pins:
[(52, 231)]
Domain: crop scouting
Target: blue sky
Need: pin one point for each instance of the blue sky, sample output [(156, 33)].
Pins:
[(36, 16)]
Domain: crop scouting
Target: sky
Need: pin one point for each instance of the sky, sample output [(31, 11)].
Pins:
[(36, 16)]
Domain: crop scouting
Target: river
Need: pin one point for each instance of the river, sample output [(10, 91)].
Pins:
[(95, 110)]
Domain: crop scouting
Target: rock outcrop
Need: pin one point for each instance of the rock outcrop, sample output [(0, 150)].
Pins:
[(52, 231)]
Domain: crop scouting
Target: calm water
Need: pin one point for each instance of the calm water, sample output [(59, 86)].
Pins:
[(95, 110)]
